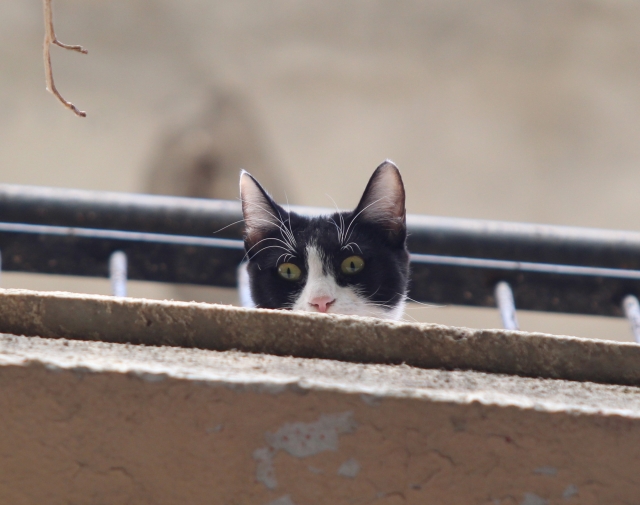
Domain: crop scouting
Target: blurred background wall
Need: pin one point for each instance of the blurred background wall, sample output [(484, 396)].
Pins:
[(502, 109)]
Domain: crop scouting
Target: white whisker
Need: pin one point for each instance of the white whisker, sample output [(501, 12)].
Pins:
[(285, 257), (225, 227), (340, 228), (264, 249), (424, 305), (279, 222), (280, 225), (289, 220), (337, 228), (270, 238), (356, 216), (284, 231), (350, 246), (287, 240)]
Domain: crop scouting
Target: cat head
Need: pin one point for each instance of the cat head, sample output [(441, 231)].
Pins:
[(346, 263)]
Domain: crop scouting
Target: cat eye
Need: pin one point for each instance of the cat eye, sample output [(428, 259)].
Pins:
[(352, 265), (289, 271)]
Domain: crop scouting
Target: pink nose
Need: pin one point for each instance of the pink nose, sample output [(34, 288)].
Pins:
[(322, 303)]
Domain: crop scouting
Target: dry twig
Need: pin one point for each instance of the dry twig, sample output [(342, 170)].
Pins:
[(50, 38)]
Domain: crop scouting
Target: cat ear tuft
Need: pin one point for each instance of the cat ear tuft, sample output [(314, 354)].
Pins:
[(261, 214), (383, 201)]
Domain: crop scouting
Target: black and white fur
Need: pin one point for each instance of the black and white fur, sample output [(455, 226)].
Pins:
[(375, 231)]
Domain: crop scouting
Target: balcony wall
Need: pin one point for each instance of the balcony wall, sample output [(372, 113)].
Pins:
[(103, 422)]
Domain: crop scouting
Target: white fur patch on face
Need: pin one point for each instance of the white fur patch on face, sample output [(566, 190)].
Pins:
[(346, 300), (244, 286)]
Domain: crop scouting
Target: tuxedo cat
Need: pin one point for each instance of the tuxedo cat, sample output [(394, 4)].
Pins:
[(345, 263)]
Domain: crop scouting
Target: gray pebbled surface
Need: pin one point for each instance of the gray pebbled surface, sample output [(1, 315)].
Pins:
[(342, 338), (275, 374)]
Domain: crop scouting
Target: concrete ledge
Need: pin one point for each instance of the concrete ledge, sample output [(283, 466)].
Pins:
[(350, 339), (93, 422)]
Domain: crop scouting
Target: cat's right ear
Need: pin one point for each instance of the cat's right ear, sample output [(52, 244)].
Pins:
[(261, 214)]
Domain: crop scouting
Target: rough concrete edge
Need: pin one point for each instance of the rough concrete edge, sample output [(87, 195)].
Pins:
[(145, 366), (342, 338)]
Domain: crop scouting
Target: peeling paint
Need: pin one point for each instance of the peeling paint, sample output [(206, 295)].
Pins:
[(533, 499), (151, 377), (570, 491), (301, 440), (49, 366), (350, 468), (283, 500), (265, 472), (261, 386), (315, 470), (81, 370), (371, 400), (306, 439), (551, 471)]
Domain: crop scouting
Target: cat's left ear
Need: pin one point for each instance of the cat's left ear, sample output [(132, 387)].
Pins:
[(383, 201), (261, 214)]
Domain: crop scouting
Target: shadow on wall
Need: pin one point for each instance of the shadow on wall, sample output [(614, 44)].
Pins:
[(203, 157)]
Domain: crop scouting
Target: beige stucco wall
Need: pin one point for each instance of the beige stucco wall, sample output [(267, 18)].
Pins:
[(98, 422), (109, 423), (501, 110)]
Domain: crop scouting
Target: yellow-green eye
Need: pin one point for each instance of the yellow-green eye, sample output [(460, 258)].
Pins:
[(352, 265), (289, 271)]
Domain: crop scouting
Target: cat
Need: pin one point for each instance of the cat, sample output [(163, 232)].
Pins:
[(354, 263)]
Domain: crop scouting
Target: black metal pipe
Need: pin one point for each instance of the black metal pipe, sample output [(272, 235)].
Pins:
[(564, 245), (120, 211), (189, 240), (220, 218)]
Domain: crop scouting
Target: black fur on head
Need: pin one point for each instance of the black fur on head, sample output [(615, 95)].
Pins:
[(374, 231)]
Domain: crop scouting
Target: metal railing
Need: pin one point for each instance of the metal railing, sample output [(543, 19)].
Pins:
[(454, 261)]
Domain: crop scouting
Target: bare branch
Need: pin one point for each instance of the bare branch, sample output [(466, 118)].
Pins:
[(50, 38)]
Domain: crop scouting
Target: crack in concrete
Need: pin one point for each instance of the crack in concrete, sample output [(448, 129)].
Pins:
[(444, 456), (122, 470)]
